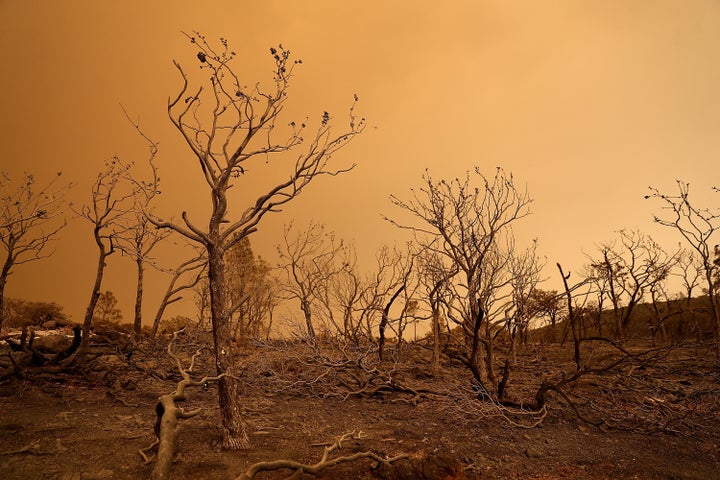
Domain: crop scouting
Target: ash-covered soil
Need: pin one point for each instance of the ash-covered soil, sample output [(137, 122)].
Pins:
[(659, 420)]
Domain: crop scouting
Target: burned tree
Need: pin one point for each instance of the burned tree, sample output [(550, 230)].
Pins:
[(142, 237), (231, 128), (435, 278), (111, 203), (309, 259), (470, 225), (627, 271), (398, 283), (138, 243), (697, 226), (27, 228), (344, 294)]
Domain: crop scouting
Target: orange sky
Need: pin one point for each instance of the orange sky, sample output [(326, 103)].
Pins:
[(587, 102)]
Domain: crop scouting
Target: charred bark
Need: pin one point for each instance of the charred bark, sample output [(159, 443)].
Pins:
[(386, 320)]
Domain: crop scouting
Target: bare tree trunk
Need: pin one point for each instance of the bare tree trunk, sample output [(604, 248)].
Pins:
[(613, 296), (513, 345), (234, 432), (307, 311), (158, 316), (714, 309), (436, 339), (4, 273), (474, 360), (571, 318), (90, 312), (489, 345), (137, 321), (269, 327), (385, 320), (347, 322)]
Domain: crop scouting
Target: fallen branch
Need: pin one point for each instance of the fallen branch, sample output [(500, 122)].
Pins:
[(168, 414), (325, 461)]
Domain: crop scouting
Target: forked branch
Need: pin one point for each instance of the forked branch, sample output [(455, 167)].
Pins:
[(168, 414), (325, 461)]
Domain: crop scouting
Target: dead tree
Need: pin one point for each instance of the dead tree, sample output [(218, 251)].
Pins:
[(691, 272), (107, 212), (572, 320), (435, 277), (138, 243), (470, 225), (344, 294), (697, 226), (229, 127), (309, 259), (27, 215), (141, 237), (627, 271), (383, 286)]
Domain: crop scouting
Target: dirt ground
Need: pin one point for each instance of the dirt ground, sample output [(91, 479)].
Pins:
[(659, 422)]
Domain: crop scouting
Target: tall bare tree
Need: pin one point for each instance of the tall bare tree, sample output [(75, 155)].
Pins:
[(691, 272), (469, 224), (141, 237), (629, 269), (383, 285), (230, 128), (435, 277), (112, 202), (697, 225), (398, 283), (525, 274), (28, 224), (309, 258), (139, 242), (346, 291)]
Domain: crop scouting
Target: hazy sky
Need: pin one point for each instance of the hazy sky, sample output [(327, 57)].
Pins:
[(587, 102)]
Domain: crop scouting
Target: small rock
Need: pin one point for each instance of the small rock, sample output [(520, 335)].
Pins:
[(532, 452)]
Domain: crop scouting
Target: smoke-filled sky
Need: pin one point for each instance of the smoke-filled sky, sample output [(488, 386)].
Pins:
[(587, 103)]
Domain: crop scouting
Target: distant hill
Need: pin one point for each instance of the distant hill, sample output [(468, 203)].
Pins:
[(673, 320)]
